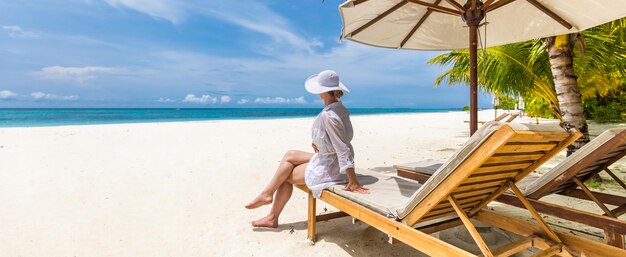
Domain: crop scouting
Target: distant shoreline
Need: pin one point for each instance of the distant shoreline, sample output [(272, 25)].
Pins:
[(46, 117)]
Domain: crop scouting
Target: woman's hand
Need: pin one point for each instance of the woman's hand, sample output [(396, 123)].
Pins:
[(353, 183), (354, 186), (314, 147)]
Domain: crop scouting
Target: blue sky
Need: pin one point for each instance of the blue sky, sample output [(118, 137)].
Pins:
[(168, 53)]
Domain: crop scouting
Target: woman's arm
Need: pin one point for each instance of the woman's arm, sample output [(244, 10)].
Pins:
[(335, 130)]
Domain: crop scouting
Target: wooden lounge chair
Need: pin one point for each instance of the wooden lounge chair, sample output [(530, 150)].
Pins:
[(477, 174), (567, 178), (512, 117)]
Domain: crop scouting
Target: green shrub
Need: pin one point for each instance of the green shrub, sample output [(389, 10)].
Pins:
[(466, 108), (538, 108), (507, 102), (609, 108)]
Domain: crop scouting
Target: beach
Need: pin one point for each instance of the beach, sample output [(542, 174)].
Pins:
[(179, 188)]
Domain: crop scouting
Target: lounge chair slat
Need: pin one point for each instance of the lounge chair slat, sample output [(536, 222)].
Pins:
[(585, 174), (443, 213), (474, 192), (513, 116), (505, 167), (464, 205), (444, 205), (594, 166), (513, 158), (610, 155), (468, 183), (621, 148), (562, 188), (491, 176), (524, 136), (587, 170), (476, 186), (501, 116), (508, 148)]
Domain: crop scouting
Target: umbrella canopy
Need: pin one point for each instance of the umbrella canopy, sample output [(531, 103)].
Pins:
[(452, 24)]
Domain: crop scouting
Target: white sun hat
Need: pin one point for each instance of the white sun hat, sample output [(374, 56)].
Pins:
[(325, 81)]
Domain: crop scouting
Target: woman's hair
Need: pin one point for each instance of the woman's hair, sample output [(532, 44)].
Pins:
[(336, 93)]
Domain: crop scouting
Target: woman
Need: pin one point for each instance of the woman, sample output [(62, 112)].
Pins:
[(332, 161)]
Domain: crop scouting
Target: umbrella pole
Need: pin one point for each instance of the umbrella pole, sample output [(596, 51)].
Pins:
[(474, 13), (473, 37)]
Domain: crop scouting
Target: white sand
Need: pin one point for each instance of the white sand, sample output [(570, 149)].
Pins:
[(178, 189)]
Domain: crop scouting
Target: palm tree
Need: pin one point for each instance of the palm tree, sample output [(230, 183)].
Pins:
[(545, 69), (560, 51)]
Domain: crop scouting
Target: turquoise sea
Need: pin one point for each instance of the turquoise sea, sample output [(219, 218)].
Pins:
[(59, 117)]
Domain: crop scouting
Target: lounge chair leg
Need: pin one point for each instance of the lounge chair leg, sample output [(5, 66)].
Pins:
[(619, 181), (613, 239), (391, 240), (312, 219), (593, 197), (470, 227), (619, 210), (534, 213)]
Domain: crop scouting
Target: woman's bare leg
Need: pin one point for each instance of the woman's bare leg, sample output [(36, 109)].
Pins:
[(282, 196), (291, 159)]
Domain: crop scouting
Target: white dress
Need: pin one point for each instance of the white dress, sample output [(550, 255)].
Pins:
[(332, 133)]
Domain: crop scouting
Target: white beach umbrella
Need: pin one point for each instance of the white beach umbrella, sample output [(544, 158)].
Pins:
[(495, 100), (450, 24)]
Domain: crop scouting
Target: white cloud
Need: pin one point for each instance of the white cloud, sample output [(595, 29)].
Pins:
[(17, 32), (74, 74), (172, 11), (251, 15), (257, 17), (38, 96), (243, 101), (165, 100), (204, 99), (280, 100), (225, 99), (6, 94)]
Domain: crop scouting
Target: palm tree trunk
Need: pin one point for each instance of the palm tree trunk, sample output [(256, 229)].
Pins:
[(560, 51)]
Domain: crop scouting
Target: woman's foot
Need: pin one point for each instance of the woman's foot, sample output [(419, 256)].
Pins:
[(260, 201), (268, 221)]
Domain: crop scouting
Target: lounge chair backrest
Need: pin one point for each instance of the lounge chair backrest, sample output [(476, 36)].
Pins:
[(479, 171), (512, 117), (501, 117), (589, 160)]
